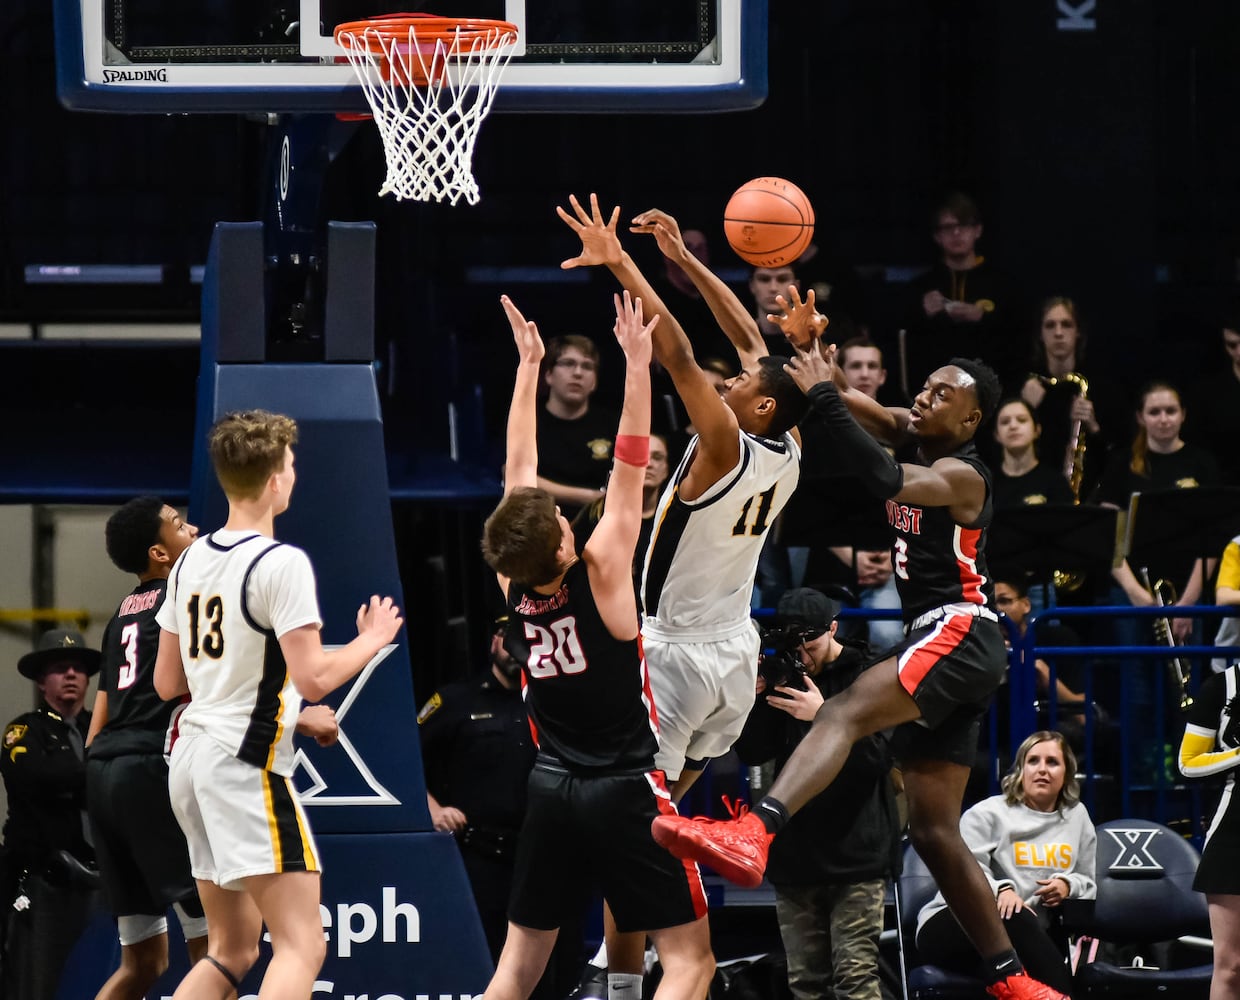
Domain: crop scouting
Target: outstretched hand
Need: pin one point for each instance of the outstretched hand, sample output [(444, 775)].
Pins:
[(813, 364), (632, 331), (524, 333), (380, 618), (599, 242), (664, 229), (800, 321)]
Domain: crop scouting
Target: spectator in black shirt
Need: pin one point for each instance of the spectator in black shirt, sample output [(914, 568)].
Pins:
[(1054, 390), (961, 308), (1159, 459), (575, 439), (1021, 479)]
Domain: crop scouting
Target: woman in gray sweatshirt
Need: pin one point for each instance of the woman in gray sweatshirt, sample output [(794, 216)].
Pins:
[(1036, 845)]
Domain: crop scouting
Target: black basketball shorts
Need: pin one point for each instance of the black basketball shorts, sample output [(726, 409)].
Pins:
[(139, 846), (951, 667), (583, 833)]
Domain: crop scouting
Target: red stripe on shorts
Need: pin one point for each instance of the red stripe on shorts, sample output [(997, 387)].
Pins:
[(652, 712), (697, 891), (918, 660)]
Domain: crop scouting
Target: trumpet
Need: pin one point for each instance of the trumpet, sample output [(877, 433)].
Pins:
[(1163, 592)]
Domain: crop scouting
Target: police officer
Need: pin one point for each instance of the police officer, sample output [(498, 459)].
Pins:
[(831, 863), (50, 886), (478, 751)]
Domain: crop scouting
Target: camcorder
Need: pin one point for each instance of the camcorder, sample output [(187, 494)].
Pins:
[(782, 666)]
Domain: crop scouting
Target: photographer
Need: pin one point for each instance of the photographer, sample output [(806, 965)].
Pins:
[(830, 865)]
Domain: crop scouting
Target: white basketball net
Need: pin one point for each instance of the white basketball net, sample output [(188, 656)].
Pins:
[(429, 129)]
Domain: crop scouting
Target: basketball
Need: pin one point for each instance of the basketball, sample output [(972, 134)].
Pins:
[(769, 222)]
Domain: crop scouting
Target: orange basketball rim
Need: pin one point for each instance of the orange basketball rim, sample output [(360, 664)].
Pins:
[(415, 48)]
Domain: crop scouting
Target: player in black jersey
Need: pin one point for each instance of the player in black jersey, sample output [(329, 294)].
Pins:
[(594, 790), (140, 848), (935, 687)]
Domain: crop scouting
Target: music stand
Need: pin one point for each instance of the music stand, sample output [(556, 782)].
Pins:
[(1047, 537), (1200, 521)]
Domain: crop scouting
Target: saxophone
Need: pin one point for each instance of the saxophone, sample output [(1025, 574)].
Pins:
[(1164, 595), (1073, 467), (1074, 454)]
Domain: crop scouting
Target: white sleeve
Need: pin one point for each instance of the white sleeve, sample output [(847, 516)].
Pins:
[(282, 594)]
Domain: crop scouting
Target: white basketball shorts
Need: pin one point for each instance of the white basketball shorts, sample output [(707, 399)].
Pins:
[(238, 820), (703, 692)]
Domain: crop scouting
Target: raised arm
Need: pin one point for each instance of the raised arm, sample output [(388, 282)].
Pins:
[(715, 423), (521, 462), (609, 552), (813, 368), (949, 482), (729, 312)]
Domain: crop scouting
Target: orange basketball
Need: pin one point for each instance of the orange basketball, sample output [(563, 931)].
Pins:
[(769, 221)]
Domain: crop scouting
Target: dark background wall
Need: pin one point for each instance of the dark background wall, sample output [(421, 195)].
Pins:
[(1099, 157), (1103, 158)]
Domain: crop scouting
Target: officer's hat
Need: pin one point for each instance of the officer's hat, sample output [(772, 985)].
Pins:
[(56, 646)]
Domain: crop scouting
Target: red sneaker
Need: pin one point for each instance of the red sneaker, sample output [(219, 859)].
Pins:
[(736, 848), (1022, 987)]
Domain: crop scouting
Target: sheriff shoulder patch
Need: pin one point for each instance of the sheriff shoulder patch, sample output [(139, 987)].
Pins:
[(13, 734), (430, 708)]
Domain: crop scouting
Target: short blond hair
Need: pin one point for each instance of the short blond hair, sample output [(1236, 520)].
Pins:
[(247, 448)]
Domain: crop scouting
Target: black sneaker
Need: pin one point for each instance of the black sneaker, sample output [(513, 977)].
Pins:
[(593, 985)]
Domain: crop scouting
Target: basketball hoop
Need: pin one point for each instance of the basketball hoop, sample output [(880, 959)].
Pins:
[(429, 82)]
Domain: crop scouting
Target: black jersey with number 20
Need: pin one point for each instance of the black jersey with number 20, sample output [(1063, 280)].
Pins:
[(586, 692)]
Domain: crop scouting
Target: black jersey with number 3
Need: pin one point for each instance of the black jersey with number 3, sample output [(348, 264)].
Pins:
[(137, 717), (587, 693), (937, 561)]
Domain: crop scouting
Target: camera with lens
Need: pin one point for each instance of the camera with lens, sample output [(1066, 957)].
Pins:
[(780, 664)]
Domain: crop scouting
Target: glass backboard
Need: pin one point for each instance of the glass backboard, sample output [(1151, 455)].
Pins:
[(279, 55)]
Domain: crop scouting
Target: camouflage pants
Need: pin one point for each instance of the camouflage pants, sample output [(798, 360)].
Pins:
[(830, 935)]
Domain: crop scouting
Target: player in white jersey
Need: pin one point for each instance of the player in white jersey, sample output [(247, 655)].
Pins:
[(738, 472), (736, 476), (240, 634)]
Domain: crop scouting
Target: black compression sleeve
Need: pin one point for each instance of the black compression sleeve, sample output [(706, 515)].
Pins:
[(866, 458)]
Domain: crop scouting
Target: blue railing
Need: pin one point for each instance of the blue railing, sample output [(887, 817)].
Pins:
[(1147, 782), (1148, 749)]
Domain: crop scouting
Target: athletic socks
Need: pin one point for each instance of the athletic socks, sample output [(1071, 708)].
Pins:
[(623, 986), (773, 813), (998, 967)]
